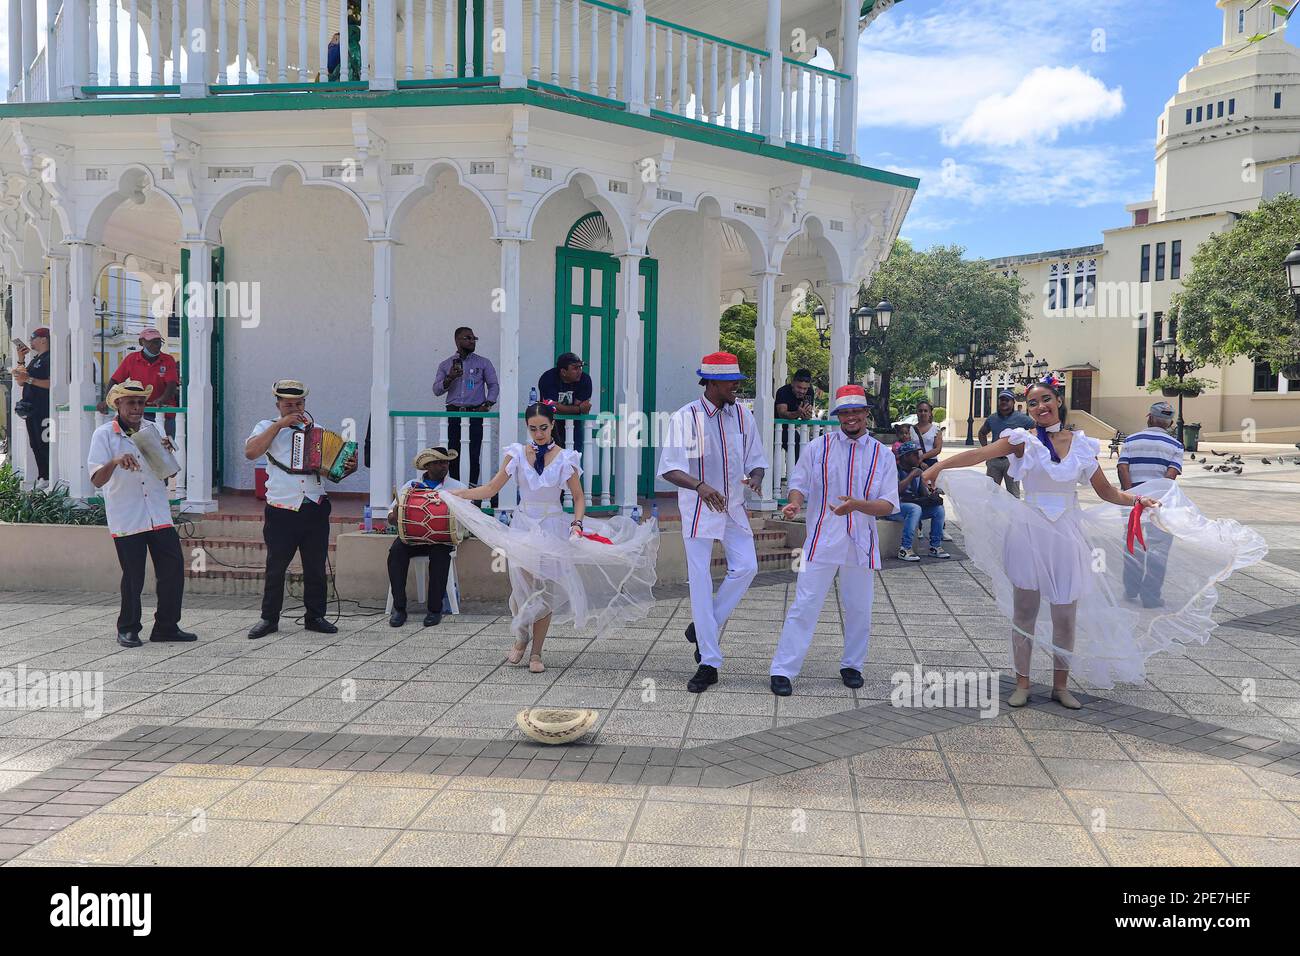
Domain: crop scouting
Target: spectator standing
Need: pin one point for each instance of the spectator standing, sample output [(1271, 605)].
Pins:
[(155, 369), (470, 383), (1145, 456), (34, 405), (1007, 416), (570, 388), (794, 402)]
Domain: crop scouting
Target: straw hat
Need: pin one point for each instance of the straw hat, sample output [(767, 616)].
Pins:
[(129, 388), (436, 453), (555, 725), (289, 388)]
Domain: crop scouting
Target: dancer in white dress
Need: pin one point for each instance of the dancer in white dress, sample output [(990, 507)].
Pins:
[(562, 569), (1046, 549)]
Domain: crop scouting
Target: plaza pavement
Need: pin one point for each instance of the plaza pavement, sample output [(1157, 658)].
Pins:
[(404, 749)]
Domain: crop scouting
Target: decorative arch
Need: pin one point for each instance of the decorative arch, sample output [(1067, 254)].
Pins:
[(815, 231), (274, 181), (411, 198), (587, 185), (135, 182)]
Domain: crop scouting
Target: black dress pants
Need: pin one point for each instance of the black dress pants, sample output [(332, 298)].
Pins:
[(164, 547), (307, 532), (40, 444), (475, 444), (399, 562)]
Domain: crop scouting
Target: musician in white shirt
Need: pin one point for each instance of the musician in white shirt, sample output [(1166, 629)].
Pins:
[(139, 517), (714, 452), (297, 515), (848, 480)]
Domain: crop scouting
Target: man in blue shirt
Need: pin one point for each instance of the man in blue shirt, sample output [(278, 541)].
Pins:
[(470, 383), (916, 505), (1146, 455), (570, 388), (433, 462), (1006, 418)]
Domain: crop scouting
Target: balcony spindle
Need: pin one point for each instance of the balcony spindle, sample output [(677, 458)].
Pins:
[(669, 104), (112, 42), (489, 37), (713, 82), (613, 56), (726, 100), (428, 39), (365, 41), (826, 113), (535, 67), (700, 113), (470, 40), (303, 74), (575, 47), (555, 42), (133, 44), (594, 79), (756, 113), (262, 33), (282, 44), (742, 92), (176, 41), (449, 39), (344, 42), (242, 41), (683, 63), (653, 66), (155, 42)]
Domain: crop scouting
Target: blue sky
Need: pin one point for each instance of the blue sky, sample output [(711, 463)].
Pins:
[(1025, 138)]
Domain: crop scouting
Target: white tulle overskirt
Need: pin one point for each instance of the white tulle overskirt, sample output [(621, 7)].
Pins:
[(1128, 608)]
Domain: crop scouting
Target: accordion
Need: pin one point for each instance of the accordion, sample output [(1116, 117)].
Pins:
[(318, 451)]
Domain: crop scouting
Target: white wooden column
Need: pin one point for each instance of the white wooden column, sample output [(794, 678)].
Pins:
[(58, 355), (628, 400), (382, 479), (772, 78), (81, 383), (842, 305), (32, 307), (634, 59), (509, 404), (764, 358), (15, 47), (28, 42), (52, 56), (75, 56), (196, 38), (198, 392), (384, 77), (848, 90), (512, 17), (781, 366)]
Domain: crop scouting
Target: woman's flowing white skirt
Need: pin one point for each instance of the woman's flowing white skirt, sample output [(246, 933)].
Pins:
[(577, 581), (1080, 557)]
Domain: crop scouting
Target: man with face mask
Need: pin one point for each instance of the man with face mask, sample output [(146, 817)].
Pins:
[(154, 369)]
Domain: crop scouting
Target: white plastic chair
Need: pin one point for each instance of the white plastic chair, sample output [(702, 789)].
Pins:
[(422, 585)]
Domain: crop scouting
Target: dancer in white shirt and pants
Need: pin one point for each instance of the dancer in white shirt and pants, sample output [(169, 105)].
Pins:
[(848, 479), (714, 452)]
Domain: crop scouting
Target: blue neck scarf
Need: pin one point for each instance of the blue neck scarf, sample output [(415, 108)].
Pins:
[(539, 455), (1045, 437)]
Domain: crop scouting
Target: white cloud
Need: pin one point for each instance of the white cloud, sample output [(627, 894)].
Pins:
[(1045, 102)]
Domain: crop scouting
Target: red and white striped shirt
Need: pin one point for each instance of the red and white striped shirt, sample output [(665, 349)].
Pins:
[(720, 445), (836, 466)]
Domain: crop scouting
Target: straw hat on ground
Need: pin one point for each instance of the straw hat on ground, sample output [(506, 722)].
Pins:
[(555, 725)]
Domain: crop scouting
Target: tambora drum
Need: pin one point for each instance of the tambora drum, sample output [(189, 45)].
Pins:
[(423, 518)]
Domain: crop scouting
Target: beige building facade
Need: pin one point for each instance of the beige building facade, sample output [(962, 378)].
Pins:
[(1229, 138)]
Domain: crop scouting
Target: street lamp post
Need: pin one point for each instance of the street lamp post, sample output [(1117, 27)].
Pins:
[(1170, 361), (1291, 371), (864, 334), (1027, 371), (973, 364)]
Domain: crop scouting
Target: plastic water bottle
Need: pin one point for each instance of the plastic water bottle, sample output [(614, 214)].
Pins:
[(368, 523), (503, 516), (532, 395), (636, 514), (654, 510)]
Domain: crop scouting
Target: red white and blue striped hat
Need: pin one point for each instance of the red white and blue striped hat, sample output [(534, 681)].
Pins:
[(722, 367), (849, 396)]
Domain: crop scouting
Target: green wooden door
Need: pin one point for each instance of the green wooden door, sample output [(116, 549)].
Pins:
[(586, 317)]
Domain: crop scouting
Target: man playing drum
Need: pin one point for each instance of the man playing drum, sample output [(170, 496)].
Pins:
[(433, 462), (139, 516)]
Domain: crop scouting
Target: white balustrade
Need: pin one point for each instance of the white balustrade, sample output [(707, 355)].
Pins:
[(789, 438), (811, 98), (702, 77)]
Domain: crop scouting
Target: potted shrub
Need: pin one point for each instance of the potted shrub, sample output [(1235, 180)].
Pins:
[(1171, 387)]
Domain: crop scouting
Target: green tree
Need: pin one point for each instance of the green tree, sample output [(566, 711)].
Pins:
[(942, 301), (1235, 302), (736, 332)]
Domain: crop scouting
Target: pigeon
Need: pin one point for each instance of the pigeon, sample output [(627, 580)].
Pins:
[(1202, 461), (1208, 467), (1237, 469), (1222, 468), (1219, 453), (1265, 461)]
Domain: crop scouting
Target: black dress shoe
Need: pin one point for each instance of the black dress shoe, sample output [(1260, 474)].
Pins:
[(433, 619), (128, 639), (320, 625), (851, 677), (177, 636), (705, 677), (263, 628), (690, 636), (781, 686), (397, 618)]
